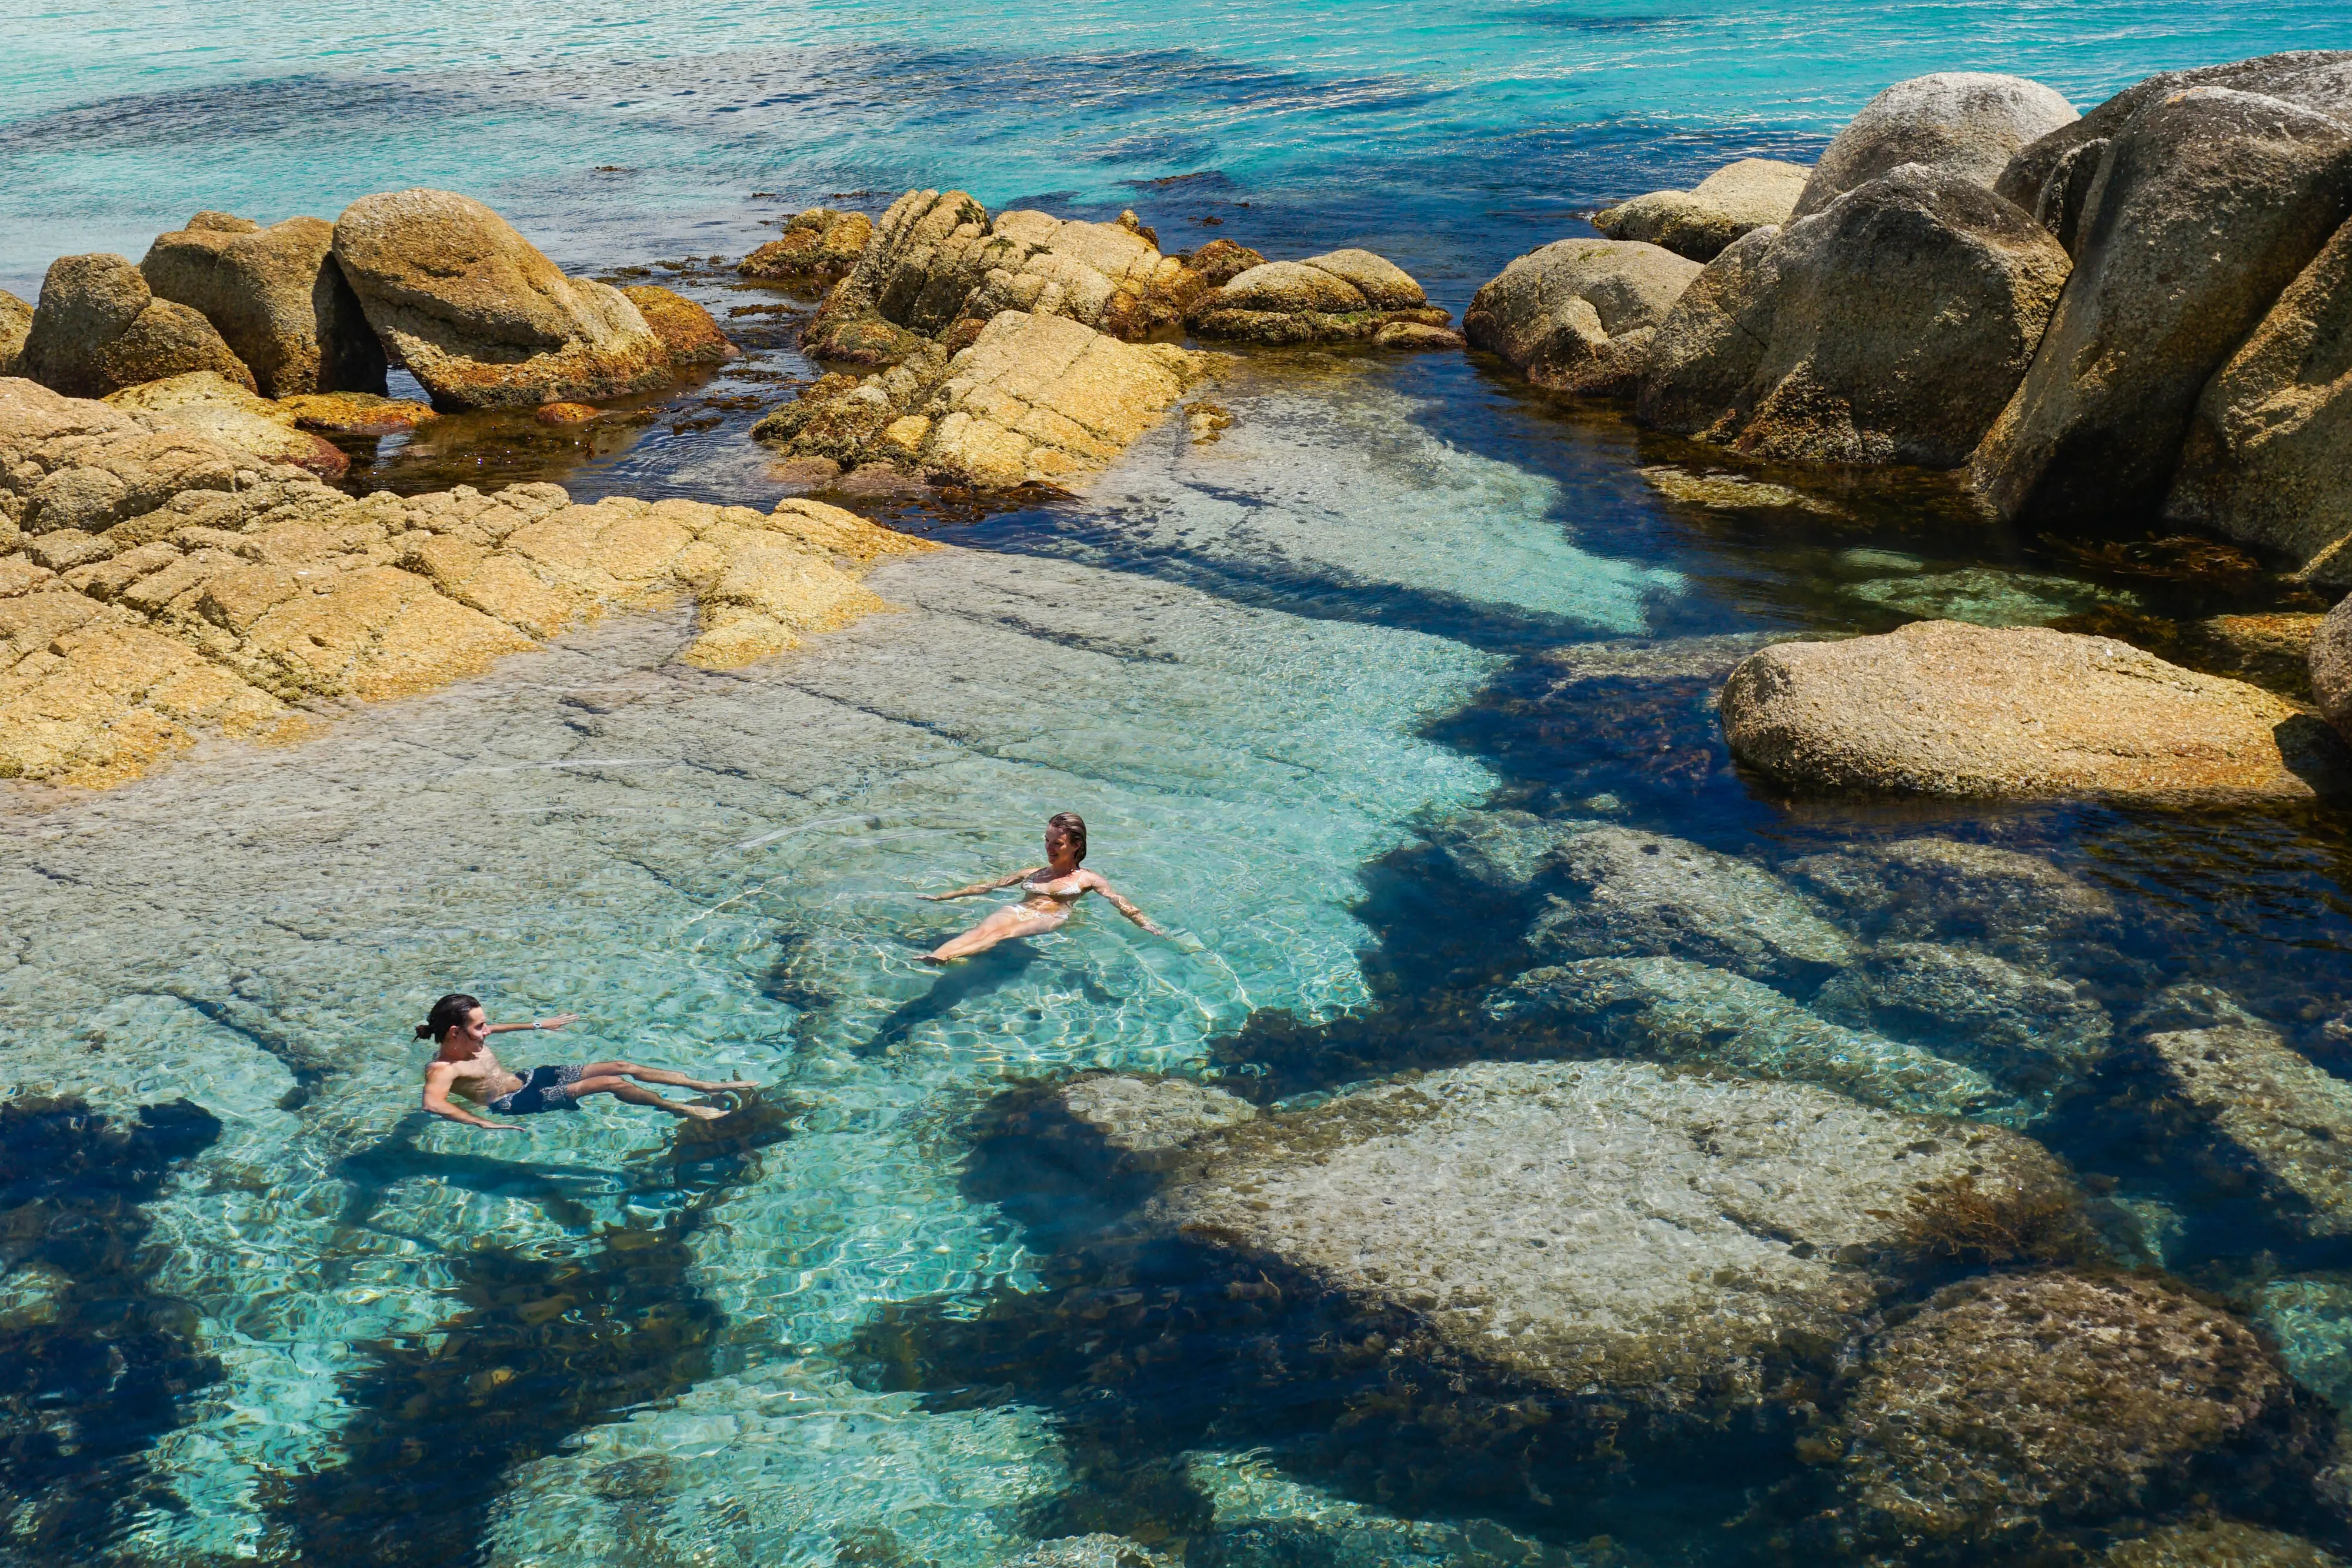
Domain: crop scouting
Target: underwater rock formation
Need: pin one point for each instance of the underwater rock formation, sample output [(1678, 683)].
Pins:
[(1633, 894), (1945, 890), (1965, 123), (1890, 326), (2029, 1031), (2289, 1116), (1576, 315), (1750, 193), (277, 297), (1604, 1229), (1341, 296), (473, 310), (1033, 400), (2022, 1404), (818, 246), (99, 328), (2207, 205), (154, 585), (2216, 1543), (1669, 1010), (1506, 850), (1943, 708)]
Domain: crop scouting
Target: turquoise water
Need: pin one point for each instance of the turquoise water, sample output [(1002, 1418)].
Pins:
[(1273, 672)]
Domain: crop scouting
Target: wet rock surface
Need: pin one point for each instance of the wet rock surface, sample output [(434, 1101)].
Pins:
[(2289, 1116), (99, 328), (278, 298), (1931, 888), (2028, 1031), (474, 311), (1698, 223), (1599, 1225), (2014, 1406), (2331, 666), (15, 320), (1943, 708), (158, 585), (1672, 1010), (688, 335), (1966, 124), (1891, 326), (1627, 893), (2216, 1543), (1576, 315)]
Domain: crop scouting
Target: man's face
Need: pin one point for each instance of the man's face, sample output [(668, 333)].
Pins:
[(474, 1030)]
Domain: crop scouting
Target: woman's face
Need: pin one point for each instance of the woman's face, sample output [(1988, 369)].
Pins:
[(1057, 843)]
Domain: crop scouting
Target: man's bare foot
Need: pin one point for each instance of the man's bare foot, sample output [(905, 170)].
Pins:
[(704, 1112)]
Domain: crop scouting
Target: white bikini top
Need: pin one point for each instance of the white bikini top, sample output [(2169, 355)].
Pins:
[(1034, 885)]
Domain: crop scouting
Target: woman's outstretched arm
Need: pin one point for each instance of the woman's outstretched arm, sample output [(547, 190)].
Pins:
[(1006, 881), (1119, 903)]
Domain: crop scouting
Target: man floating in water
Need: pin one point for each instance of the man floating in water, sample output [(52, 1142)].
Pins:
[(466, 1063), (1048, 891)]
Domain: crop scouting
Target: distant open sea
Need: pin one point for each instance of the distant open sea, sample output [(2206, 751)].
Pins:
[(1454, 136)]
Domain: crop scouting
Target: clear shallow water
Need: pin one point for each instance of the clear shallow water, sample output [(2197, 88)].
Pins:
[(1263, 669)]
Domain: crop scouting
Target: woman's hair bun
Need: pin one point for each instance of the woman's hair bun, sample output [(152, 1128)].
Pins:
[(423, 1031)]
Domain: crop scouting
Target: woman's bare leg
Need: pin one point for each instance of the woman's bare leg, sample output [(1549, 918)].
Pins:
[(628, 1093), (1013, 920), (661, 1075)]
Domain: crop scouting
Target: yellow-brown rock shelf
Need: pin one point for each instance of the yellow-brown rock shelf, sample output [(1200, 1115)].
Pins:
[(241, 610)]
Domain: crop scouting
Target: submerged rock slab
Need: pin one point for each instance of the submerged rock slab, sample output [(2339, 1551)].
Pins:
[(2290, 1116), (2218, 1544), (155, 585), (474, 311), (1601, 1228), (2023, 1404), (1668, 1009), (277, 297), (1939, 707), (1698, 223), (2028, 1030), (1945, 889), (1635, 894)]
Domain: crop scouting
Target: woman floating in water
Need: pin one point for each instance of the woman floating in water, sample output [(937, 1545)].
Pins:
[(466, 1063), (1048, 891)]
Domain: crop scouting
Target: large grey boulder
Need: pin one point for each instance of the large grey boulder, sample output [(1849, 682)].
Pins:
[(1890, 327), (1635, 894), (278, 298), (15, 320), (479, 316), (1575, 314), (1966, 124), (2331, 666), (98, 329), (2209, 204), (2268, 456), (1940, 708), (2053, 174), (1668, 1009), (2011, 1407), (1603, 1229), (1699, 222)]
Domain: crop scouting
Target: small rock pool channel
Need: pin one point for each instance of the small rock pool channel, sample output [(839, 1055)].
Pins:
[(1363, 700)]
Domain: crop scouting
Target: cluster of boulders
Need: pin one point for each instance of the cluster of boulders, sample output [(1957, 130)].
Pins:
[(158, 583), (306, 316), (1027, 348), (2131, 313)]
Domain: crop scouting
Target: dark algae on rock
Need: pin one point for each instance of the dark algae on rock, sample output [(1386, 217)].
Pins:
[(94, 1365)]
